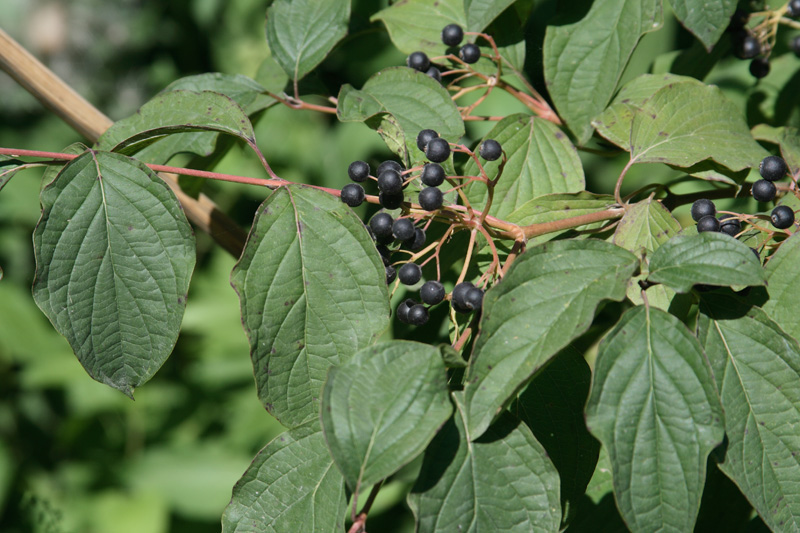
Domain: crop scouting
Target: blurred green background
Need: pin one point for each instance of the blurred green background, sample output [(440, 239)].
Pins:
[(77, 456)]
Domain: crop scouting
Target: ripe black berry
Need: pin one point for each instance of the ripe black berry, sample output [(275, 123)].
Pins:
[(403, 229), (782, 217), (419, 240), (391, 273), (434, 73), (417, 315), (708, 223), (703, 207), (491, 150), (764, 191), (452, 34), (438, 150), (430, 198), (418, 61), (389, 163), (470, 53), (730, 225), (748, 47), (381, 226), (390, 182), (795, 45), (390, 201), (353, 194), (474, 299), (358, 171), (424, 137), (459, 296), (410, 274), (772, 168), (432, 292), (793, 9), (433, 174), (759, 67), (402, 309), (386, 254)]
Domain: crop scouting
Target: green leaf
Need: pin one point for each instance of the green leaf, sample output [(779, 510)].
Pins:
[(292, 485), (247, 93), (583, 62), (173, 114), (552, 406), (756, 366), (654, 407), (416, 25), (553, 207), (312, 291), (645, 225), (8, 167), (114, 254), (705, 258), (547, 298), (602, 482), (415, 101), (301, 33), (502, 481), (706, 22), (787, 138), (51, 172), (382, 408), (481, 13), (681, 124), (541, 160), (783, 283)]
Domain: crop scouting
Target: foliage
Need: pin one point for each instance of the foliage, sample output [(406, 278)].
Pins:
[(594, 344)]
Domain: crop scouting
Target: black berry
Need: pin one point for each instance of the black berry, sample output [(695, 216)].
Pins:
[(703, 207), (782, 217), (386, 254), (434, 73), (433, 174), (417, 315), (390, 182), (708, 223), (459, 296), (432, 292), (391, 273), (403, 229), (390, 201), (402, 309), (419, 240), (730, 225), (793, 9), (772, 168), (452, 34), (759, 67), (430, 198), (764, 191), (358, 171), (473, 298), (748, 47), (381, 226), (424, 137), (353, 194), (470, 53), (438, 150), (491, 150), (409, 274), (418, 61), (389, 163)]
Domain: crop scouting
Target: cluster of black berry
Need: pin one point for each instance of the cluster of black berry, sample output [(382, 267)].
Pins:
[(452, 35), (756, 43), (772, 168)]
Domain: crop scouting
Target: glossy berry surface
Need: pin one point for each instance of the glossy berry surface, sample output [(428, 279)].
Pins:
[(402, 309), (430, 198), (391, 273), (473, 299), (403, 229), (703, 207), (470, 53), (432, 292), (730, 225), (772, 168), (358, 171), (438, 150), (409, 274), (389, 163), (793, 9), (782, 217), (764, 191), (433, 174), (417, 315), (424, 137), (491, 150), (390, 201), (452, 34), (381, 225), (708, 223), (418, 61), (759, 67), (390, 182), (434, 73), (419, 240), (748, 47), (353, 194), (459, 297)]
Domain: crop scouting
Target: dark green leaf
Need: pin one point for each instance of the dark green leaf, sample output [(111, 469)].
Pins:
[(382, 408), (301, 33), (312, 291), (704, 258), (783, 285), (114, 254), (249, 94), (417, 24), (756, 367), (452, 358), (541, 160), (414, 100), (480, 13), (552, 406), (547, 298), (654, 407), (583, 62), (292, 485), (706, 22), (8, 167), (51, 172), (503, 481)]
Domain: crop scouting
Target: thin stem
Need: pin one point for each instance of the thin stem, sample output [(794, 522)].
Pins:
[(618, 186)]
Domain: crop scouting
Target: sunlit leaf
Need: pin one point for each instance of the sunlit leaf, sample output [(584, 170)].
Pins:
[(416, 25), (706, 22)]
